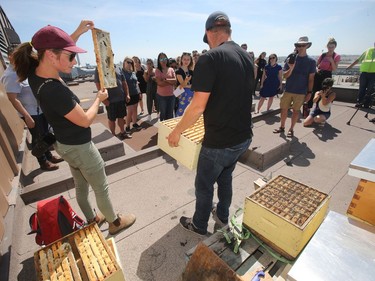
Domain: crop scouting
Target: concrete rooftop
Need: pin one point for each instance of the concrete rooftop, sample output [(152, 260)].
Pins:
[(145, 181)]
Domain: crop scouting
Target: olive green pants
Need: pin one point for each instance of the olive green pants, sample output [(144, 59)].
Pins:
[(87, 167)]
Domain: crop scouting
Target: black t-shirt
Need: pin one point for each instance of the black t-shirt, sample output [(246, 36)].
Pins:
[(181, 72), (57, 100), (142, 83), (228, 74)]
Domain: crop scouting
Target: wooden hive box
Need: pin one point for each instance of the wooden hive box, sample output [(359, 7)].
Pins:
[(285, 214), (83, 255), (363, 202), (190, 143)]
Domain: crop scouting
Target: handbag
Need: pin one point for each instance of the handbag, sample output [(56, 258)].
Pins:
[(44, 142)]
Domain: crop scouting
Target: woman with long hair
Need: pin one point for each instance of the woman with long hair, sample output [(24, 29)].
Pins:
[(260, 63), (139, 71), (184, 80), (56, 52), (128, 69), (149, 77), (165, 79)]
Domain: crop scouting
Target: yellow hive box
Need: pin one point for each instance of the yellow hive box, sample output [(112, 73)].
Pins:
[(285, 214), (190, 143), (80, 256), (363, 202)]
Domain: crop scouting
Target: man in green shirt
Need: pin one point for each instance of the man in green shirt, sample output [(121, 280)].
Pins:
[(367, 77)]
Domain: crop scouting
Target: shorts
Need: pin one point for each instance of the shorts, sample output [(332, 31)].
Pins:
[(133, 100), (315, 112), (116, 110), (294, 101)]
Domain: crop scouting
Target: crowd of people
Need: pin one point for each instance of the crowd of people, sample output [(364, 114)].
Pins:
[(189, 86)]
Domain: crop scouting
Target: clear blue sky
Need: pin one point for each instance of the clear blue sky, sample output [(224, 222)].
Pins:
[(145, 28)]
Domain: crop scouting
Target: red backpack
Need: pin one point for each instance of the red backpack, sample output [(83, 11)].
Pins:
[(54, 218)]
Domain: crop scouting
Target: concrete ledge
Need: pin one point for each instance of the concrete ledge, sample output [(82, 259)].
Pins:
[(42, 190), (261, 160), (345, 94), (109, 146)]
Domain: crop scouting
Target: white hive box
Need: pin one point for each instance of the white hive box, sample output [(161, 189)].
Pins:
[(190, 143), (285, 214)]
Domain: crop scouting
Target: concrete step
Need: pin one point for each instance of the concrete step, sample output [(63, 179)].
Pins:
[(35, 181), (268, 148)]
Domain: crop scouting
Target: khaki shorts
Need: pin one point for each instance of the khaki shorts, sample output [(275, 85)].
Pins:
[(294, 101)]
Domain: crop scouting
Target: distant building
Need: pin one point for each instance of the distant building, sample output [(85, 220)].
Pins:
[(8, 37)]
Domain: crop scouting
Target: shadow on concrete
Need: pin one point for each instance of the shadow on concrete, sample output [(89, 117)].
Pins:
[(167, 255), (28, 270), (105, 135), (272, 119), (300, 155), (171, 161), (326, 132), (29, 178)]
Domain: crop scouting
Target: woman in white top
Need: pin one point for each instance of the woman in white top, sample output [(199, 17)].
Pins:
[(323, 99)]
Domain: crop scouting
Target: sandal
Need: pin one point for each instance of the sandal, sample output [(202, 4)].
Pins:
[(279, 130), (290, 134)]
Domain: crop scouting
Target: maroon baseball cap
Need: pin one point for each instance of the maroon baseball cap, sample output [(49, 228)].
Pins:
[(52, 37)]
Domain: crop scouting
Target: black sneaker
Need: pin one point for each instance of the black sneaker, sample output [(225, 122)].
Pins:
[(136, 126), (126, 135), (187, 224), (120, 136), (127, 130)]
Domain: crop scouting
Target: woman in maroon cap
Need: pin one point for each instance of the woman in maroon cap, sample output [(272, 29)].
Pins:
[(56, 52)]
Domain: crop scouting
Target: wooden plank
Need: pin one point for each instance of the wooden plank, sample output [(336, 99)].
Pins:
[(104, 58), (74, 267), (206, 265)]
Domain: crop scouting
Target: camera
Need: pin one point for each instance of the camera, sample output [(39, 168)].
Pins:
[(43, 144), (291, 58)]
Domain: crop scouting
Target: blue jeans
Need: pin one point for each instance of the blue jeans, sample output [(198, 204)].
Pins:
[(215, 165), (366, 87), (166, 106)]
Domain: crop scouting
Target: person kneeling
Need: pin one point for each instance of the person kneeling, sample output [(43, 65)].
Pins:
[(323, 99)]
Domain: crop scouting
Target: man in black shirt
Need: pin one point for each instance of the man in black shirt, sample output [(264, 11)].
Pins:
[(223, 79)]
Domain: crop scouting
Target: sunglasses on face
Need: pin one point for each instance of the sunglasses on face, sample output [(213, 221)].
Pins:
[(129, 62), (301, 45), (163, 59), (271, 58), (72, 56)]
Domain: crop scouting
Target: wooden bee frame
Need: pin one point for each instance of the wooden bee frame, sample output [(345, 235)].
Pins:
[(104, 58)]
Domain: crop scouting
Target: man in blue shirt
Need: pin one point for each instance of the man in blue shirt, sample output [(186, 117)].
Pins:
[(299, 75)]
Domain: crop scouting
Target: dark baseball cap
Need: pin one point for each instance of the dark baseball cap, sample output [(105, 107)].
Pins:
[(52, 37), (216, 19)]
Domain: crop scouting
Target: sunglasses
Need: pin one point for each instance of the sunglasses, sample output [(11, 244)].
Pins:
[(163, 59), (301, 45), (186, 54), (72, 56), (129, 62), (271, 58)]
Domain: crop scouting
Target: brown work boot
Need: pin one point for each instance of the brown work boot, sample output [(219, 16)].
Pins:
[(48, 166), (55, 159), (122, 222)]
